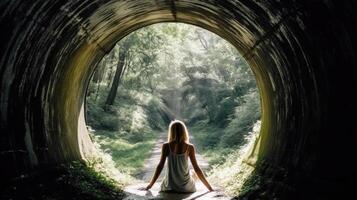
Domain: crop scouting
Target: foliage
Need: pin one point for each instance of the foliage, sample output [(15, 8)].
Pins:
[(240, 123)]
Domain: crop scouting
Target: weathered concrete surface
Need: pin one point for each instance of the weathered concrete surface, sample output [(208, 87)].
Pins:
[(302, 52)]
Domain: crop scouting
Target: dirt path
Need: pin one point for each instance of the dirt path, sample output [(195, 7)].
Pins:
[(134, 192)]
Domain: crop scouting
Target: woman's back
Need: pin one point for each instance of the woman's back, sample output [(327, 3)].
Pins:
[(178, 148), (177, 176)]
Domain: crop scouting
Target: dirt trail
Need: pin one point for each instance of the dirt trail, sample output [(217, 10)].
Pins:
[(134, 192)]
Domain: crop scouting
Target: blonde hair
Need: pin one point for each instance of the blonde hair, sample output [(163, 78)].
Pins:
[(177, 132)]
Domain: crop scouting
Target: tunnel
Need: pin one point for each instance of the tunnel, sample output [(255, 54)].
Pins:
[(302, 53)]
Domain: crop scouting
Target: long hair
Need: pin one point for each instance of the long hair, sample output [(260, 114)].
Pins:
[(177, 132)]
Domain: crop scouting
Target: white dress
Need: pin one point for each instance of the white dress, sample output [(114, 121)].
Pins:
[(177, 177)]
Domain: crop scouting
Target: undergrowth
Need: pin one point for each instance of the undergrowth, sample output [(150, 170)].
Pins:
[(232, 174), (75, 180)]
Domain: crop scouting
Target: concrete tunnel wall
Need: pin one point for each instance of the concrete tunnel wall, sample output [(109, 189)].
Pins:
[(302, 53)]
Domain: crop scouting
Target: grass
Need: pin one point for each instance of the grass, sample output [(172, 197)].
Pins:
[(128, 157)]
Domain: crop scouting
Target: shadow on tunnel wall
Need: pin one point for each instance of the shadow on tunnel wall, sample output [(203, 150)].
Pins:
[(302, 52)]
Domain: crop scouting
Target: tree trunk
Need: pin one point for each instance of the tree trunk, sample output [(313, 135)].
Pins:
[(99, 72), (110, 68), (117, 77)]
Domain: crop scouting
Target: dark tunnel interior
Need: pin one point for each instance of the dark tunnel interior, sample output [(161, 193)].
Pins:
[(303, 54)]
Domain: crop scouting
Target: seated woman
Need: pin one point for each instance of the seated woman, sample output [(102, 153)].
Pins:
[(178, 149)]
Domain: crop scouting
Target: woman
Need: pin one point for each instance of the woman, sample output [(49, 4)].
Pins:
[(178, 149)]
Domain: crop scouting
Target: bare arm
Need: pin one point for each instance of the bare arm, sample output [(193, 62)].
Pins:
[(159, 167), (198, 169)]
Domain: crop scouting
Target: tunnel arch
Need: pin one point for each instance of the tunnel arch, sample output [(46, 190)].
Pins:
[(51, 48)]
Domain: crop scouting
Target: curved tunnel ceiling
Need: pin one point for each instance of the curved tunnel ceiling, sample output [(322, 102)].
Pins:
[(300, 51)]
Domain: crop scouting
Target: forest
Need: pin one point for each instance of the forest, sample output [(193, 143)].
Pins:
[(172, 71)]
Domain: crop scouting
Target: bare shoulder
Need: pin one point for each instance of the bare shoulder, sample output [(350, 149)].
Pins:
[(165, 145), (191, 147), (165, 148)]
